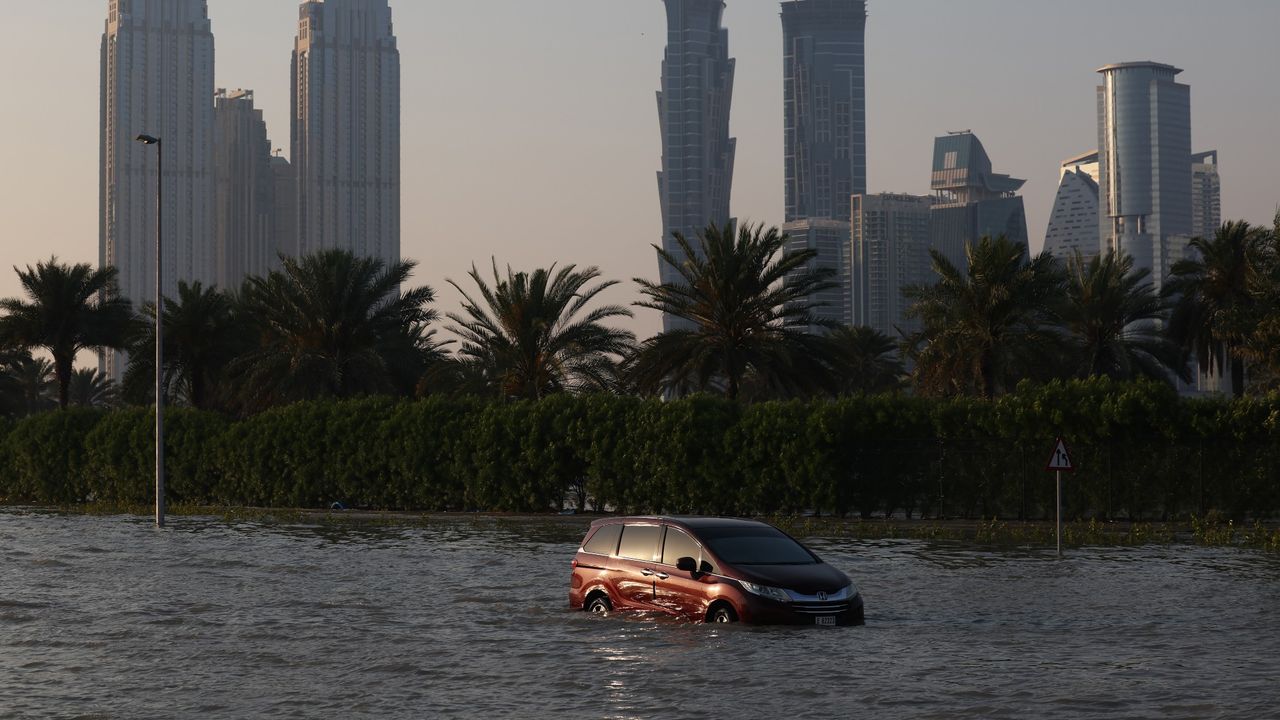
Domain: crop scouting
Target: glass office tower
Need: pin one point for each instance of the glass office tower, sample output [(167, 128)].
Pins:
[(970, 200), (825, 135), (1144, 148), (696, 179), (825, 106), (1073, 226)]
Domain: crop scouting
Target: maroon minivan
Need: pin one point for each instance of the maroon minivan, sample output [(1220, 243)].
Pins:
[(709, 570)]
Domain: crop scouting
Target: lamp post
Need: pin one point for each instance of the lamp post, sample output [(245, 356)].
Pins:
[(160, 506)]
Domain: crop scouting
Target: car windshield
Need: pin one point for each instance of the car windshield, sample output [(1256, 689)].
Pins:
[(755, 546)]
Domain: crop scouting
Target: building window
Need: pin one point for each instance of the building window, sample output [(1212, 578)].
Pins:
[(844, 131), (823, 191), (822, 109)]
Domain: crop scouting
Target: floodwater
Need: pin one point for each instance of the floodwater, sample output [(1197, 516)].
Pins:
[(109, 618)]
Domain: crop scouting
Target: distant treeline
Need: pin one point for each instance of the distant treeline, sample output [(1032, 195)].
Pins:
[(1142, 453)]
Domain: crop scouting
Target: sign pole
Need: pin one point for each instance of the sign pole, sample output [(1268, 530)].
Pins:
[(1059, 463), (1059, 513)]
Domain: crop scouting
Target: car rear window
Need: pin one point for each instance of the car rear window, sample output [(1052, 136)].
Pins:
[(640, 542), (605, 540), (755, 546)]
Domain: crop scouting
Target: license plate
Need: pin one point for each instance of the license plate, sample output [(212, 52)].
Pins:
[(825, 621)]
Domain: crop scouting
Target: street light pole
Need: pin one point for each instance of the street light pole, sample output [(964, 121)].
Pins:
[(160, 504)]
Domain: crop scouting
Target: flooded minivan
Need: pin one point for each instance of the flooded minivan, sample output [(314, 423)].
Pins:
[(716, 570)]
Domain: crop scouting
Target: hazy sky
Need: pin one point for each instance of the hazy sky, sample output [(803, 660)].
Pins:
[(531, 130)]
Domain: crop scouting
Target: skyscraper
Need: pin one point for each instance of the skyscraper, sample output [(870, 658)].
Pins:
[(830, 239), (696, 179), (244, 215), (1144, 148), (890, 251), (824, 106), (825, 134), (1206, 219), (1075, 219), (1073, 226), (971, 201), (346, 128), (285, 207), (157, 78), (1206, 195)]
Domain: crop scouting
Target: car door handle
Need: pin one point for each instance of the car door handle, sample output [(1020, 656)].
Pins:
[(646, 572), (663, 576)]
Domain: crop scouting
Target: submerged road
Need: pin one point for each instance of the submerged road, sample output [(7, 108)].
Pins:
[(105, 617)]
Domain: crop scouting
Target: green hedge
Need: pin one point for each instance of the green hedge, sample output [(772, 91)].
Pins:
[(1143, 453)]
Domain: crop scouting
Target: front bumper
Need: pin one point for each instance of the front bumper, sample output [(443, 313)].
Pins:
[(761, 611)]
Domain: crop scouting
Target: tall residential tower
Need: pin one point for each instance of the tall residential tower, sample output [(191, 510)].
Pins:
[(696, 179), (157, 79), (284, 209), (346, 128), (1206, 195), (890, 247), (244, 215)]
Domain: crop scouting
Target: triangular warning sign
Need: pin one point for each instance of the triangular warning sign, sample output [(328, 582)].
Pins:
[(1061, 458)]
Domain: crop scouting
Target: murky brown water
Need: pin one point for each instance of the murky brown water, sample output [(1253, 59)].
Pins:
[(108, 618)]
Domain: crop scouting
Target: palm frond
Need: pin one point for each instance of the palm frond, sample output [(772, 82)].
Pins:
[(526, 334)]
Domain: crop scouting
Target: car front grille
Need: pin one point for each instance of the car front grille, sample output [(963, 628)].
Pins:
[(821, 608)]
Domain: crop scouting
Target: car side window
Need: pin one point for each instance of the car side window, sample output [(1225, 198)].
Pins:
[(640, 542), (678, 545), (604, 541)]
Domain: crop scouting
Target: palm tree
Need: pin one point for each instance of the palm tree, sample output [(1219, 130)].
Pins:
[(202, 336), (333, 325), (746, 304), (1213, 310), (987, 327), (743, 313), (527, 335), (69, 309), (27, 384), (1115, 316), (451, 376), (91, 388), (865, 361), (1261, 349)]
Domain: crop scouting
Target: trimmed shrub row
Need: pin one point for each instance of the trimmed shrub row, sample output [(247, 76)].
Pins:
[(1142, 453)]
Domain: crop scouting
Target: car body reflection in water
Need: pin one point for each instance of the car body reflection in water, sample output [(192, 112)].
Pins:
[(466, 618)]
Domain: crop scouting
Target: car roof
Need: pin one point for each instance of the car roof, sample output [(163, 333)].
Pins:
[(692, 522)]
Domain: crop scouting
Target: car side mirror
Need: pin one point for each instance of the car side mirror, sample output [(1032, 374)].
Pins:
[(687, 564), (706, 569)]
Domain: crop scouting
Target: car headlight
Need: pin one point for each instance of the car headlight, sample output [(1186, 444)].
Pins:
[(765, 591)]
